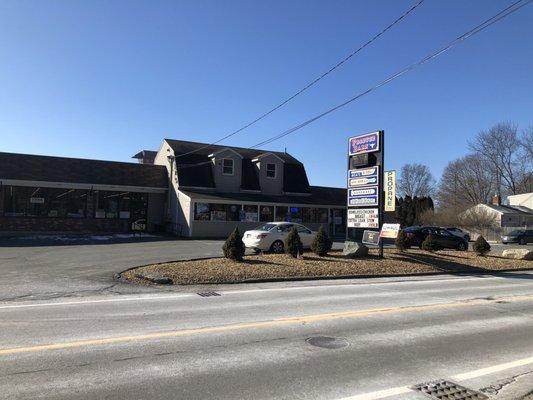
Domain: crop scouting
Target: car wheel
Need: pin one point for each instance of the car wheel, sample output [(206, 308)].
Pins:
[(461, 246), (522, 241), (277, 246)]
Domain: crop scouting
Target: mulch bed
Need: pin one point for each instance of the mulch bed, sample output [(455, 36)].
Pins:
[(281, 266)]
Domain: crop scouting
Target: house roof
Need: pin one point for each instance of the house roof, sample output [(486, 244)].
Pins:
[(319, 195), (29, 167), (510, 209), (205, 149), (145, 154), (195, 169)]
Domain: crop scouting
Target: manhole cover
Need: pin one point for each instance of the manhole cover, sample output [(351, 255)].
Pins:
[(446, 390), (327, 342)]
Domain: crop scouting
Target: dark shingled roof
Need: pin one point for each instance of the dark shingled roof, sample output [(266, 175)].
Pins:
[(319, 195), (145, 154), (510, 209), (77, 170), (294, 175), (183, 146)]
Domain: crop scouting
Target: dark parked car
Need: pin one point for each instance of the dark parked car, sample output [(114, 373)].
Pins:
[(459, 232), (445, 238), (521, 236)]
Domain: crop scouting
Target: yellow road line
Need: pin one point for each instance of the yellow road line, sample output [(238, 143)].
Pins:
[(260, 324)]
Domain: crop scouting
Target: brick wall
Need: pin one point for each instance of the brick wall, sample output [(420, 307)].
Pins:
[(77, 225)]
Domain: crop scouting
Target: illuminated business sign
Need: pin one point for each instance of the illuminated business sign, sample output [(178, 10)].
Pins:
[(367, 143)]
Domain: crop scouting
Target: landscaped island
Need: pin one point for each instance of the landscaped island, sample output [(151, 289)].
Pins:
[(282, 266)]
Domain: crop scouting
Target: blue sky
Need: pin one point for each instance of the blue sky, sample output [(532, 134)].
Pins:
[(105, 79)]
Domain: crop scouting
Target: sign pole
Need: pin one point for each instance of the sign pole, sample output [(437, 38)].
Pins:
[(381, 191)]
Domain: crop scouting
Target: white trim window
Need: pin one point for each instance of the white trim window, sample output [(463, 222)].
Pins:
[(271, 171), (227, 166)]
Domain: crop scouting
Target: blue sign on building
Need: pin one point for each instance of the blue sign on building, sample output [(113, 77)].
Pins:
[(363, 144), (362, 197)]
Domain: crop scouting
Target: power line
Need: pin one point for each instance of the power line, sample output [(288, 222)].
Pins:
[(485, 24), (482, 26), (312, 83)]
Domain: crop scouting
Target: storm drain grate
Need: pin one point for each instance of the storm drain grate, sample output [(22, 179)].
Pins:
[(446, 390), (208, 294)]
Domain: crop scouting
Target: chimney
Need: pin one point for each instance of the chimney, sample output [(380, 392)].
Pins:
[(496, 200)]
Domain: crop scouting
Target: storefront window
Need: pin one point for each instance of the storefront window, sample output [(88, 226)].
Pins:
[(218, 212), (266, 213), (202, 212), (295, 214), (281, 213), (322, 215), (44, 202), (233, 212), (250, 213), (308, 215)]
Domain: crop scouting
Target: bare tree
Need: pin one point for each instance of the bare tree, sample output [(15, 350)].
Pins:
[(465, 182), (415, 180), (526, 141), (501, 147)]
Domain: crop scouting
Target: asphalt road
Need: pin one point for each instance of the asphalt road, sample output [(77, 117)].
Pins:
[(33, 269), (250, 342)]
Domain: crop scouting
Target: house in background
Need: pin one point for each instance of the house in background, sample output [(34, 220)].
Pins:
[(521, 200), (499, 215), (214, 189)]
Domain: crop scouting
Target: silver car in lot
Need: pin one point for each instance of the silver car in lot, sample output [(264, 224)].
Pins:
[(271, 236)]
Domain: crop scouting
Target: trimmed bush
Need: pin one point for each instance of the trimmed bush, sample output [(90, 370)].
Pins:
[(321, 243), (481, 246), (402, 241), (234, 247), (430, 244), (293, 243)]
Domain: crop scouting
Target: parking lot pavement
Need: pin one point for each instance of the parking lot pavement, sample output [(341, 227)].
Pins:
[(30, 270), (39, 270)]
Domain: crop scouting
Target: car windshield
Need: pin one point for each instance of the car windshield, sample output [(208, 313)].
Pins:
[(265, 227), (517, 232)]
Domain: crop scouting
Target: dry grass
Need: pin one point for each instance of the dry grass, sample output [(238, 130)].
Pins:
[(280, 266)]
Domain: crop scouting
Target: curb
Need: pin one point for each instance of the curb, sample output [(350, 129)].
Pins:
[(120, 278)]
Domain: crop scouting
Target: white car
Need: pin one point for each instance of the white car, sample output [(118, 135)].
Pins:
[(271, 236)]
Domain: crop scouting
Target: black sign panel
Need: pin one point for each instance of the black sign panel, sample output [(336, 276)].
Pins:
[(371, 237)]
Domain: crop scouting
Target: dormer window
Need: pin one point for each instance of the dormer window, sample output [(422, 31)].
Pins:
[(227, 166), (271, 170)]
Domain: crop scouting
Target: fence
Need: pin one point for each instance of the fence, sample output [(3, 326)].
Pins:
[(494, 233)]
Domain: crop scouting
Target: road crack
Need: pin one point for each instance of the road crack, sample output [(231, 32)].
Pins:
[(496, 388)]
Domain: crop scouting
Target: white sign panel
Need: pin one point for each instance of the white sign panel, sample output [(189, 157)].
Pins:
[(363, 177), (363, 218), (37, 200), (389, 231)]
